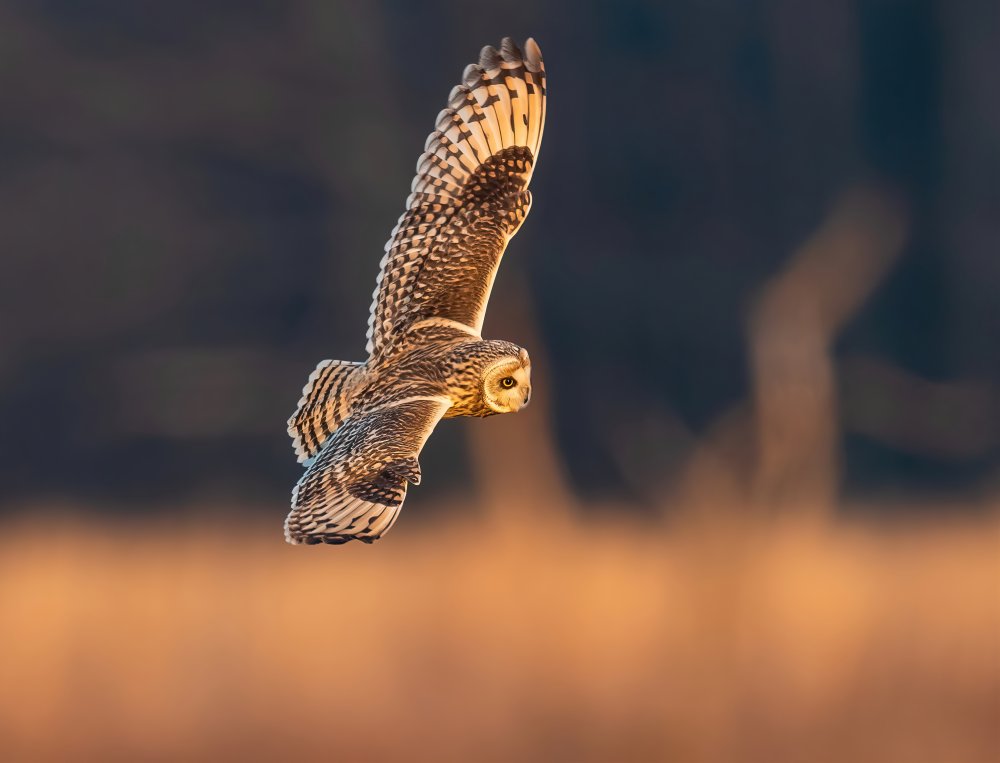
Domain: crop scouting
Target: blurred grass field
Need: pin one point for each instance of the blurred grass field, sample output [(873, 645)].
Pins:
[(743, 612), (621, 638)]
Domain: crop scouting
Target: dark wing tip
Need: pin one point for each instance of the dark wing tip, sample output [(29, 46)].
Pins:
[(489, 58), (509, 52), (472, 74), (457, 96), (533, 55)]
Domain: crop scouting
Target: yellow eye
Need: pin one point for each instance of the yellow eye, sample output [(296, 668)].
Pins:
[(508, 382)]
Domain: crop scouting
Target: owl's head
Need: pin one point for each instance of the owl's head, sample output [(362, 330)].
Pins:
[(507, 383)]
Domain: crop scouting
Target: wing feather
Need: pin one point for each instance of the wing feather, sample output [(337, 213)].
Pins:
[(356, 486), (469, 197)]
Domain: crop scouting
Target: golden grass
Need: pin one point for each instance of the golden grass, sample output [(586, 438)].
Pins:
[(611, 640)]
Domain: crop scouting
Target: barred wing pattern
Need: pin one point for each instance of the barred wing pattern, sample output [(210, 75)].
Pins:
[(322, 407), (468, 198), (356, 486)]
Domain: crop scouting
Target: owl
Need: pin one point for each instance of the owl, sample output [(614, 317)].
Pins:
[(359, 427)]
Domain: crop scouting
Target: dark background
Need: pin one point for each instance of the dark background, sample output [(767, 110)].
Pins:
[(194, 198)]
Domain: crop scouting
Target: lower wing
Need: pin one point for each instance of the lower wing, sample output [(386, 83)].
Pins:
[(356, 486)]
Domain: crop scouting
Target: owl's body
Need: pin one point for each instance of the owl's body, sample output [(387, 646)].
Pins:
[(360, 426), (438, 362)]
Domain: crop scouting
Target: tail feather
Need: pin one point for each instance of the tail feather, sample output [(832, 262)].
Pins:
[(323, 406)]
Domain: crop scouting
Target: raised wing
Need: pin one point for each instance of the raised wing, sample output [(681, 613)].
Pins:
[(356, 486), (468, 198)]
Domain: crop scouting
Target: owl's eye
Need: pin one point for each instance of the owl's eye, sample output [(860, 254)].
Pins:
[(508, 382)]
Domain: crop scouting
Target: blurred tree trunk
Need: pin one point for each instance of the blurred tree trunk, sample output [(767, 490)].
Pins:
[(792, 328)]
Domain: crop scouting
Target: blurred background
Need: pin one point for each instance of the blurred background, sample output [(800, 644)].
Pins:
[(755, 510)]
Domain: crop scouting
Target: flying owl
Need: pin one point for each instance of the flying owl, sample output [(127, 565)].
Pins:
[(359, 427)]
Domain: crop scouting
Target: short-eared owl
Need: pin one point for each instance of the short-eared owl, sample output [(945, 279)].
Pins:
[(359, 427)]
